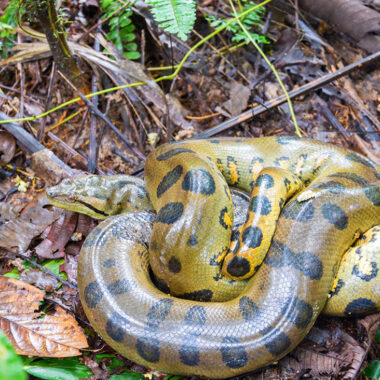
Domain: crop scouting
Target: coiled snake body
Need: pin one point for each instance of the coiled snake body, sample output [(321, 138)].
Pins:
[(328, 199)]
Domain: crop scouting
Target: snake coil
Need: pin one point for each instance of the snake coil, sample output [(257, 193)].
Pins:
[(309, 203)]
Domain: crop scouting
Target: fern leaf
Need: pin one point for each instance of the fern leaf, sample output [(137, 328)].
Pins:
[(175, 16)]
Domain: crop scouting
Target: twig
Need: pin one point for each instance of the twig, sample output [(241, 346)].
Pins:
[(46, 270), (92, 157), (105, 119), (292, 94), (326, 112), (41, 131)]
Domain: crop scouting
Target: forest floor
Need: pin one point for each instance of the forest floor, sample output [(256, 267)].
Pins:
[(224, 88)]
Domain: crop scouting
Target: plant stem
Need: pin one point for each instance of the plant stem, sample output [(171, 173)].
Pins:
[(298, 133), (55, 35)]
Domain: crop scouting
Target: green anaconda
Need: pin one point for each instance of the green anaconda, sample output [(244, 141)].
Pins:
[(265, 283)]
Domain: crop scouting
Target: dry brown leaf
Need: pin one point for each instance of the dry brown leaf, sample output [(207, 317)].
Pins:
[(58, 236), (30, 332), (17, 233)]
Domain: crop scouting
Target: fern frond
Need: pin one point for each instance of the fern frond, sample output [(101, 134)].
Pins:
[(175, 16)]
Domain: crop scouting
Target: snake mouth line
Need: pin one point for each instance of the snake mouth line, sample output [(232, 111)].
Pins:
[(91, 207)]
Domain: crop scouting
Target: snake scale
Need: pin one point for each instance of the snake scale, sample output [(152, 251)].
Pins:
[(310, 235)]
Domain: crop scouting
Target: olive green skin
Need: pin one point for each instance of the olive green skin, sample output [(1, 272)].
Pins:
[(266, 316)]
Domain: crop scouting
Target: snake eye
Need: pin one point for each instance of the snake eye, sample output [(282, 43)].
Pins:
[(72, 197)]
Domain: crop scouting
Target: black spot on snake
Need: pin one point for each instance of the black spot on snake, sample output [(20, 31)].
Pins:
[(199, 181), (277, 162), (188, 352), (332, 187), (141, 193), (148, 348), (233, 170), (192, 241), (264, 180), (195, 316), (284, 140), (170, 213), (118, 287), (252, 237), (222, 215), (174, 265), (204, 295), (248, 309), (301, 312), (306, 262), (172, 153), (373, 194), (92, 294), (275, 341), (227, 191), (116, 326), (160, 284), (158, 313), (361, 160), (335, 215), (238, 266), (299, 211), (287, 184), (233, 352), (364, 276), (254, 161), (169, 180), (260, 205), (360, 306), (339, 285), (109, 263), (235, 235)]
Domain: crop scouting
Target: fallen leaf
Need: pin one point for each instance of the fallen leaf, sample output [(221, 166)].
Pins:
[(18, 233), (59, 235), (32, 333), (7, 147)]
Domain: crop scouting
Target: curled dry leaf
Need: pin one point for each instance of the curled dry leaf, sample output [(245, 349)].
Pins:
[(8, 211), (58, 236), (17, 233), (7, 147), (53, 335)]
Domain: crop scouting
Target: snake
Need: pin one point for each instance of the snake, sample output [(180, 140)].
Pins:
[(171, 282)]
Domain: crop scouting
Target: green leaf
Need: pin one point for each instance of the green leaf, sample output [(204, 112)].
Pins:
[(373, 370), (128, 375), (126, 37), (132, 54), (10, 362), (131, 47), (53, 265), (58, 369), (115, 363), (377, 337), (13, 273), (175, 16)]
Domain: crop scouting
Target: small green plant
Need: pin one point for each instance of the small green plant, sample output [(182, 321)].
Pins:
[(8, 22), (175, 16), (250, 22), (121, 28)]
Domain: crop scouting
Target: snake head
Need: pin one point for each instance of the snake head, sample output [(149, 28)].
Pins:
[(100, 196)]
